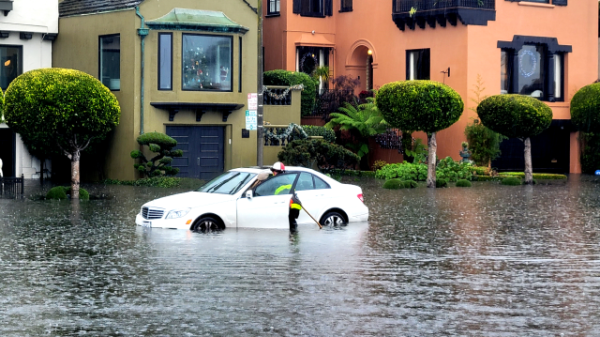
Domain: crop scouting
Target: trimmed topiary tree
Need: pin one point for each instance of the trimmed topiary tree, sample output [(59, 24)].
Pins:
[(158, 165), (585, 115), (61, 108), (393, 184), (60, 193), (511, 181), (463, 183), (290, 78), (421, 106), (516, 116)]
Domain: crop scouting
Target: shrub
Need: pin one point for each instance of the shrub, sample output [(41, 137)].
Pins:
[(290, 78), (327, 134), (159, 164), (463, 183), (378, 164), (439, 183), (541, 176), (585, 108), (452, 171), (410, 184), (326, 156), (1, 105), (164, 182), (60, 193), (590, 156), (393, 184), (480, 170), (511, 181), (484, 143), (403, 171)]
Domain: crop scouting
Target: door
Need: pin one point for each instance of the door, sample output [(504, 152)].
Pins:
[(266, 209), (203, 150), (7, 152)]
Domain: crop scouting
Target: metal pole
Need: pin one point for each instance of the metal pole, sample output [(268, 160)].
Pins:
[(260, 71)]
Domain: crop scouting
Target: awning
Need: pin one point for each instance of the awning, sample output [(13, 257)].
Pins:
[(197, 20), (317, 40)]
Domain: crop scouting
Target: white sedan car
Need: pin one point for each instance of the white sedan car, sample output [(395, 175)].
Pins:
[(232, 200)]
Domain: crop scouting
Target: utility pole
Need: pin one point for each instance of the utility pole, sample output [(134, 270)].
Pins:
[(259, 112)]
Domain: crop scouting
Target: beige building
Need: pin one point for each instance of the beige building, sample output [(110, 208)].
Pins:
[(180, 67)]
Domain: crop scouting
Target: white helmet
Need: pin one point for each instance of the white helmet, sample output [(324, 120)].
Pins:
[(278, 166)]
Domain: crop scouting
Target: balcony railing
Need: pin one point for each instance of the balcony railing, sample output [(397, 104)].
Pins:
[(12, 187), (420, 12)]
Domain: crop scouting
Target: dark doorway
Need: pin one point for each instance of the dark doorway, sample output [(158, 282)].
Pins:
[(7, 152), (550, 150), (203, 150)]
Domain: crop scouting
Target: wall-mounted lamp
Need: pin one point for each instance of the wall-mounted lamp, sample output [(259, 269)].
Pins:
[(446, 72), (7, 63), (370, 52), (313, 32)]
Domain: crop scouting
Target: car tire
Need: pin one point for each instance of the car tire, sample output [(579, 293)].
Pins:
[(207, 224), (333, 219)]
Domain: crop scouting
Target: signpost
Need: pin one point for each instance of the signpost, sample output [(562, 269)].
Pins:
[(251, 113)]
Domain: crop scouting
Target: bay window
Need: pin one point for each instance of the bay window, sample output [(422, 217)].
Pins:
[(207, 62)]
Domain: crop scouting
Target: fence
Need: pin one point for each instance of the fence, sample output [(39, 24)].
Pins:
[(12, 187)]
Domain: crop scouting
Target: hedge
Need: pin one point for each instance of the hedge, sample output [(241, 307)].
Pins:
[(60, 193), (585, 108), (290, 78), (327, 134)]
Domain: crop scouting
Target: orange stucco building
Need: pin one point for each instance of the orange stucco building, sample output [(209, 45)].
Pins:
[(543, 48)]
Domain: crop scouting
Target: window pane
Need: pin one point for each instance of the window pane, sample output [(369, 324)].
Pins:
[(166, 62), (531, 71), (206, 62), (417, 64), (10, 65), (504, 72), (558, 65), (320, 184), (110, 61), (305, 182), (280, 184)]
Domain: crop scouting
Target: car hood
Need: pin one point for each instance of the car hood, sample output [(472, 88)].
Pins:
[(189, 199)]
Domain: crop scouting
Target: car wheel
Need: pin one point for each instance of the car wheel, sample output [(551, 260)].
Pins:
[(333, 219), (207, 224)]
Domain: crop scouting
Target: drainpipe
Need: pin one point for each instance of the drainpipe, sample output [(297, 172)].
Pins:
[(142, 32)]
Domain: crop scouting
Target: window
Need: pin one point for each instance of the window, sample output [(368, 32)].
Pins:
[(273, 7), (165, 61), (417, 64), (320, 184), (305, 182), (110, 61), (314, 8), (227, 183), (533, 71), (346, 6), (206, 62), (276, 185), (10, 64), (240, 69)]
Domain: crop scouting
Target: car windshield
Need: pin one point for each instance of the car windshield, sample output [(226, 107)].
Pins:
[(227, 183)]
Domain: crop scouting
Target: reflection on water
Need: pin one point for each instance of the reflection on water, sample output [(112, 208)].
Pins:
[(486, 261)]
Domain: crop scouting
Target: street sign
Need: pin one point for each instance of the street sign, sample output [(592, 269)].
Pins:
[(253, 102), (251, 120)]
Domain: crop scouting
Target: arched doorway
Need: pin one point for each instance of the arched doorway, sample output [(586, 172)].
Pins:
[(360, 64)]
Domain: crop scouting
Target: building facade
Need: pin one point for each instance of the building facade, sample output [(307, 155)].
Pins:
[(26, 38), (180, 67), (544, 48)]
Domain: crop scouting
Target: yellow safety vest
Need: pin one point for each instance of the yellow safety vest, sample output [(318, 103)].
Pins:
[(282, 188)]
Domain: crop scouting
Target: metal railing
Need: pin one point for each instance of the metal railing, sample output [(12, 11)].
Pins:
[(269, 100), (12, 187), (403, 6), (331, 100)]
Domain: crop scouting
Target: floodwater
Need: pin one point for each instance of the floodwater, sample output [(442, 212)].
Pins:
[(489, 260)]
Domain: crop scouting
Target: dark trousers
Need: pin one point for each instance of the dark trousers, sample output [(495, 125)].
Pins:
[(294, 213)]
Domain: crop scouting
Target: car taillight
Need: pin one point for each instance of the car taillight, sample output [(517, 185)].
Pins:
[(360, 196)]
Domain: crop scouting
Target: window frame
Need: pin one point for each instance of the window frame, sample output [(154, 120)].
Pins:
[(312, 12), (19, 61), (345, 7), (160, 61), (230, 37), (240, 68), (277, 4), (100, 37), (422, 52)]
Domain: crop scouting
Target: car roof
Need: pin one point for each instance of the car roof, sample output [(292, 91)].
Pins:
[(258, 169)]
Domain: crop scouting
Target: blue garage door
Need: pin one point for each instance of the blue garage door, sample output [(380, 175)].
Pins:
[(203, 150)]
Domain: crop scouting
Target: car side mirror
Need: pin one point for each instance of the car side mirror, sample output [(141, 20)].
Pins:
[(249, 194)]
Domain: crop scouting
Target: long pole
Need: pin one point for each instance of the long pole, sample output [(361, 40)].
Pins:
[(260, 70)]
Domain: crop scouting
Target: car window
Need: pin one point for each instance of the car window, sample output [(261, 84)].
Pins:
[(280, 184), (305, 182), (227, 183), (320, 184)]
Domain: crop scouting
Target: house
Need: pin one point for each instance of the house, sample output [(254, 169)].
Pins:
[(25, 44), (544, 48), (180, 67)]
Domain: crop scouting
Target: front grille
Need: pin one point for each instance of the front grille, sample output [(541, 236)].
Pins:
[(152, 213)]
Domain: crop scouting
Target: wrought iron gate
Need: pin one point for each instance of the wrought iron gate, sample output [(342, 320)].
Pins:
[(12, 187)]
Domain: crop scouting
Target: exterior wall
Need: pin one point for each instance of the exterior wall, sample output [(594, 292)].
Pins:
[(37, 53), (468, 51), (78, 48)]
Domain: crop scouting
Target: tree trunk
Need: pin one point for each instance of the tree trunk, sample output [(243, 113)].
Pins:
[(528, 166), (432, 160), (75, 174), (42, 161)]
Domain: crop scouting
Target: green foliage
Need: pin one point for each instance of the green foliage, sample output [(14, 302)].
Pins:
[(356, 173), (362, 120), (410, 184), (585, 108), (515, 116), (419, 105), (590, 157), (378, 164), (321, 73), (60, 193), (308, 152), (393, 184), (403, 171), (327, 134), (290, 78), (540, 176), (439, 183), (511, 181), (163, 182), (60, 108), (480, 170), (418, 151), (463, 183), (1, 105), (158, 165), (452, 171), (484, 143)]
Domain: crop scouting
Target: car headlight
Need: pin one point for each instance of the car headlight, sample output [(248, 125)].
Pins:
[(177, 213)]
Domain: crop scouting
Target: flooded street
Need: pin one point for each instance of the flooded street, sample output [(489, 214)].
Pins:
[(489, 260)]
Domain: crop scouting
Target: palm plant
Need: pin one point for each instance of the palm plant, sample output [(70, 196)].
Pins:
[(362, 121)]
